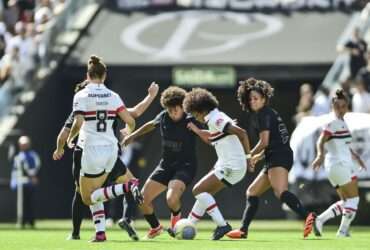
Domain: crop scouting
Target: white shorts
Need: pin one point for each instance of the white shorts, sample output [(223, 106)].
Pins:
[(230, 173), (96, 160), (340, 174)]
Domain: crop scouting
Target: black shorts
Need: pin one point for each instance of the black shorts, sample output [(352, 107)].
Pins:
[(279, 159), (118, 170), (183, 171)]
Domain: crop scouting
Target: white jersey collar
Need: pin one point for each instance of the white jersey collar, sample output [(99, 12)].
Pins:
[(210, 114)]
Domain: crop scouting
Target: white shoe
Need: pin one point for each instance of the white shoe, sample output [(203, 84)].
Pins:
[(343, 234), (317, 227)]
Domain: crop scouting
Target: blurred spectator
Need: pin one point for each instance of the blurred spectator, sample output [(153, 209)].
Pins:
[(26, 166), (11, 13), (361, 98), (364, 73), (305, 102), (357, 48), (321, 103)]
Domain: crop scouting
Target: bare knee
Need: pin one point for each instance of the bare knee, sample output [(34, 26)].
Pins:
[(251, 191), (196, 190), (278, 192)]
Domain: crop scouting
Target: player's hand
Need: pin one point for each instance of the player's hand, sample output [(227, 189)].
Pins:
[(58, 154), (124, 132), (251, 166), (316, 164), (153, 89), (191, 126), (126, 141)]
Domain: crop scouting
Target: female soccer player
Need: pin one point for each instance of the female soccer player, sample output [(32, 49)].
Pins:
[(178, 165), (340, 167), (118, 170), (254, 96), (232, 148), (95, 108)]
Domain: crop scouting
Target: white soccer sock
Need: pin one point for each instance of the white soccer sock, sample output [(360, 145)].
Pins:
[(197, 212), (333, 211), (349, 213), (209, 202), (98, 215), (108, 193)]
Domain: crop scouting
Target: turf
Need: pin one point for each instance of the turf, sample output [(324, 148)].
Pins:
[(272, 235)]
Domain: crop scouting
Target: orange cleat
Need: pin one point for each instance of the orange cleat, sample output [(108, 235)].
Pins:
[(154, 232), (237, 234), (174, 220), (310, 220)]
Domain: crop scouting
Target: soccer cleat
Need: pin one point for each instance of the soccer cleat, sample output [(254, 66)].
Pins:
[(99, 237), (310, 220), (154, 232), (237, 234), (317, 227), (343, 234), (125, 225), (134, 188), (171, 232), (221, 231), (73, 237), (174, 220)]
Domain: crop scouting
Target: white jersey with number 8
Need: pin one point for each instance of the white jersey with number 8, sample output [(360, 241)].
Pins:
[(99, 106)]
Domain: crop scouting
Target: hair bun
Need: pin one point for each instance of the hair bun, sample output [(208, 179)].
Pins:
[(94, 60), (340, 93)]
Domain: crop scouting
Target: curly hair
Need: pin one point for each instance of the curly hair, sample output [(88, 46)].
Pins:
[(340, 94), (172, 96), (251, 84), (96, 69), (199, 100)]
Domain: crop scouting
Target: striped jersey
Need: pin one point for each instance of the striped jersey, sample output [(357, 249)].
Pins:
[(338, 144), (228, 147), (99, 106)]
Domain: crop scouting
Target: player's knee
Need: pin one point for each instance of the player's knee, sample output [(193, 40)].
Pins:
[(196, 190), (251, 192), (279, 191)]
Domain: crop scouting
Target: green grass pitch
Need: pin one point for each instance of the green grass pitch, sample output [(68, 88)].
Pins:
[(272, 235)]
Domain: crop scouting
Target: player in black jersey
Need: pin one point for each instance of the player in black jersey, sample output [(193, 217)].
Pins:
[(119, 170), (177, 167), (254, 96)]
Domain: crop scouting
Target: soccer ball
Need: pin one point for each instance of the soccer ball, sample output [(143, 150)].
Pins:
[(185, 230)]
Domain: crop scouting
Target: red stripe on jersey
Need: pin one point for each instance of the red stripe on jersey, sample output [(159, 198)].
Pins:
[(120, 109), (350, 209), (341, 132), (90, 113), (99, 212), (112, 112), (354, 178), (327, 133), (195, 215)]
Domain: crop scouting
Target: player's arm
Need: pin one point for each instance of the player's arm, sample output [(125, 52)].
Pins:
[(262, 143), (142, 106), (146, 128), (61, 141), (357, 158), (324, 137), (203, 134), (75, 129), (128, 119)]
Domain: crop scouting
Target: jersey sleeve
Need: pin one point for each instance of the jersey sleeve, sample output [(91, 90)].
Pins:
[(158, 118), (68, 123), (264, 121), (328, 129), (119, 105), (79, 104)]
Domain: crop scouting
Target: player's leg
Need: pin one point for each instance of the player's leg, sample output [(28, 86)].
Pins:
[(150, 191), (336, 209), (173, 197), (258, 187), (350, 205), (129, 205)]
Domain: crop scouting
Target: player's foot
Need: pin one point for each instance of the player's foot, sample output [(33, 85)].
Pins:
[(134, 188), (175, 219), (343, 234), (154, 232), (310, 220), (171, 232), (221, 231), (125, 225), (99, 237), (73, 237), (237, 234), (317, 227)]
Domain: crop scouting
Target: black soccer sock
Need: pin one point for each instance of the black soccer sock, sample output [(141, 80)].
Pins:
[(152, 220), (175, 213), (129, 207), (293, 203), (77, 213), (249, 212)]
